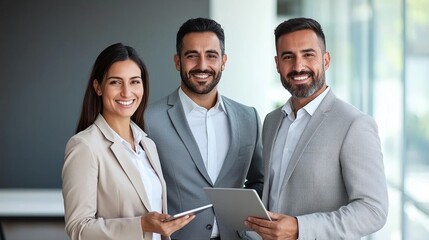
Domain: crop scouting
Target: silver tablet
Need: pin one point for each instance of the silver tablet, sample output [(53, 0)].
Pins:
[(189, 212), (234, 205)]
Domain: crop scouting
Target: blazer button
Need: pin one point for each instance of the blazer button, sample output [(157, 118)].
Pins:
[(209, 227)]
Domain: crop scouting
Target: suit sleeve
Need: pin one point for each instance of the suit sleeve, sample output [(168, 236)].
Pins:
[(255, 175), (80, 180), (363, 175)]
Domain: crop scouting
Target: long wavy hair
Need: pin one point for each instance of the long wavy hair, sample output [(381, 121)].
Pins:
[(92, 104)]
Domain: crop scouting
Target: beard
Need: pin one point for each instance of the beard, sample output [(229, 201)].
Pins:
[(200, 88), (303, 90)]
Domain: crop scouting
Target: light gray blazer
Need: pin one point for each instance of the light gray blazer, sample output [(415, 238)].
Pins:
[(335, 182), (104, 196), (183, 166)]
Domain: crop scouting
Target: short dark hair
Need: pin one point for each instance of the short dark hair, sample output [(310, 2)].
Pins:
[(92, 103), (200, 25), (296, 24)]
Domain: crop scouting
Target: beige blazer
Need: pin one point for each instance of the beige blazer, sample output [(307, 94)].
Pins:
[(104, 196)]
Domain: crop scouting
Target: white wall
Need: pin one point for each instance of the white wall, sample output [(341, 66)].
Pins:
[(249, 43)]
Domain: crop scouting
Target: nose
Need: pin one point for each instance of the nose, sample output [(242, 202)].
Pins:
[(298, 64), (202, 63), (126, 90)]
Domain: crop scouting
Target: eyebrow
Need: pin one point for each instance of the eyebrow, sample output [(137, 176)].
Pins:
[(307, 50), (115, 77), (189, 52), (194, 51), (213, 51)]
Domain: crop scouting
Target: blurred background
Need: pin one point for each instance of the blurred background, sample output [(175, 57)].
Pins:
[(379, 63)]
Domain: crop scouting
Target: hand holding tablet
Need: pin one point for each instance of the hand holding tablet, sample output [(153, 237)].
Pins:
[(234, 205)]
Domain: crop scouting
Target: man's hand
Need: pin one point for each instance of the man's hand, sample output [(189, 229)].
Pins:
[(281, 227)]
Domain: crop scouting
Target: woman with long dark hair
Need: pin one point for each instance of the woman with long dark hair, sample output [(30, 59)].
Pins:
[(113, 186)]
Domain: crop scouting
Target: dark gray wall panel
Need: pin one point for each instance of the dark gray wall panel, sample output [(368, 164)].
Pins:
[(47, 49)]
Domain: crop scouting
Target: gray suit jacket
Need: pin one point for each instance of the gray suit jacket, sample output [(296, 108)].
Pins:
[(335, 182), (104, 196), (183, 166)]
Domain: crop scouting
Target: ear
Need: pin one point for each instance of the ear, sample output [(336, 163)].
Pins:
[(97, 87), (176, 60), (326, 60), (276, 59), (224, 59)]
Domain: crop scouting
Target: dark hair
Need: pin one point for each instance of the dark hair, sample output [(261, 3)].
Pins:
[(296, 24), (92, 103), (200, 25)]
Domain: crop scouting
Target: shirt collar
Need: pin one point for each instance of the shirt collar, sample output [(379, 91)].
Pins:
[(137, 134), (189, 105), (310, 108)]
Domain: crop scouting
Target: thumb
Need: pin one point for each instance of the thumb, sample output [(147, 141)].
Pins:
[(274, 216)]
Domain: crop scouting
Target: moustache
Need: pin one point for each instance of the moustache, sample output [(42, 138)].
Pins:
[(294, 73), (197, 71)]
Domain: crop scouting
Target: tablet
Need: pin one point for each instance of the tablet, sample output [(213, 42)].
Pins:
[(189, 212), (234, 205)]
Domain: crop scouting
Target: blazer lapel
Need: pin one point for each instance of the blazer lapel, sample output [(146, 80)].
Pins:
[(311, 128), (233, 149), (123, 159), (272, 131), (178, 118), (153, 158)]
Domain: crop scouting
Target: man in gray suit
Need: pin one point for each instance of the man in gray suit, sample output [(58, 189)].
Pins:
[(204, 139), (324, 174)]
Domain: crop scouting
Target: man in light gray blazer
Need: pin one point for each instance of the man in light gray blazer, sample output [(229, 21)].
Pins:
[(204, 139), (324, 174)]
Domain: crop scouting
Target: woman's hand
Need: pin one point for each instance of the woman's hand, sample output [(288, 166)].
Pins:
[(154, 222)]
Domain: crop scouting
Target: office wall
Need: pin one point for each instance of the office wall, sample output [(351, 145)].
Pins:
[(47, 49), (249, 44)]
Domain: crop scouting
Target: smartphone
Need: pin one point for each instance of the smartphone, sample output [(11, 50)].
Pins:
[(189, 212)]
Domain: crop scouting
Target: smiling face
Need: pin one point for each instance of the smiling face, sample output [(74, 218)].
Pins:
[(200, 63), (121, 90), (301, 62)]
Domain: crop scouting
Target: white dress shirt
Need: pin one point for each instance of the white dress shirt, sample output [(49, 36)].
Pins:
[(150, 179), (211, 132), (288, 136)]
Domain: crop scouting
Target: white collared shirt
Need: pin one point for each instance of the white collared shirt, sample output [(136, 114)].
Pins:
[(212, 134), (150, 179), (288, 136)]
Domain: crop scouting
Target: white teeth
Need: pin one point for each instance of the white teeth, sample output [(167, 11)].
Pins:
[(300, 78), (125, 103), (201, 75)]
